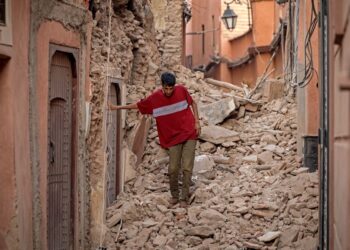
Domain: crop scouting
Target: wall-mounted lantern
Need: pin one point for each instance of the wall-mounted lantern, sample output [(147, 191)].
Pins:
[(229, 17)]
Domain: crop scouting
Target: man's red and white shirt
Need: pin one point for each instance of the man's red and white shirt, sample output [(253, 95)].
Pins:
[(174, 117)]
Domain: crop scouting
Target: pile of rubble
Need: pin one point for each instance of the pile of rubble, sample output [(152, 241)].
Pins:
[(249, 190)]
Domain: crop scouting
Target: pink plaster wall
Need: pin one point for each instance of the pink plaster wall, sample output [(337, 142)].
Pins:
[(15, 178), (263, 22), (49, 32), (339, 105), (202, 14)]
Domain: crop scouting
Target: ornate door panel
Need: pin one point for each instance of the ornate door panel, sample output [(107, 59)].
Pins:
[(113, 146), (60, 226)]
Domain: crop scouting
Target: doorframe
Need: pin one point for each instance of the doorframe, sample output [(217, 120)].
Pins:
[(117, 83), (73, 55)]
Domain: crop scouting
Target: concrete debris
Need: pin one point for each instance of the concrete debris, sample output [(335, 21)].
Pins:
[(202, 163), (249, 187), (274, 89), (218, 135), (269, 236), (216, 112)]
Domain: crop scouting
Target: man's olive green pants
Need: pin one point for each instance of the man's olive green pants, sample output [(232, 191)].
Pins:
[(181, 155)]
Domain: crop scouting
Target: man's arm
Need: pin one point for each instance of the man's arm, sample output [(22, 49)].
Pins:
[(129, 106), (196, 116)]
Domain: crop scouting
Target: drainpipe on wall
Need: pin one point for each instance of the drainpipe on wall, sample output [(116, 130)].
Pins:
[(324, 130)]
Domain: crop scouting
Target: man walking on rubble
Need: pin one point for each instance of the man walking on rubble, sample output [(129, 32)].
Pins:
[(178, 128)]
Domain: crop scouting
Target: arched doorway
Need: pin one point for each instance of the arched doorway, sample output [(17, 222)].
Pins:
[(60, 174)]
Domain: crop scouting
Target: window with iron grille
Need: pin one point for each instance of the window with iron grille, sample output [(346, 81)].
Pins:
[(2, 12)]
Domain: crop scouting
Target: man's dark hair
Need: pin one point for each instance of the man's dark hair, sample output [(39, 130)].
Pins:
[(168, 79)]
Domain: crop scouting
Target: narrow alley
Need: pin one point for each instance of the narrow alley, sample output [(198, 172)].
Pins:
[(250, 190)]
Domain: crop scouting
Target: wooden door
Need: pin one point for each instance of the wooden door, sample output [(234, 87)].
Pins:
[(113, 146), (60, 205)]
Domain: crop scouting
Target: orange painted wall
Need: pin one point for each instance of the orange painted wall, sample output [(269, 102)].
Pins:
[(263, 22), (265, 16), (312, 96), (15, 177), (308, 97), (263, 28)]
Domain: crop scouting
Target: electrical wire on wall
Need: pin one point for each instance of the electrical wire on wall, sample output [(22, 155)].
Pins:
[(291, 44), (308, 59), (295, 42)]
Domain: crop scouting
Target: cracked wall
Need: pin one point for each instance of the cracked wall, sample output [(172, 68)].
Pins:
[(140, 46), (133, 59)]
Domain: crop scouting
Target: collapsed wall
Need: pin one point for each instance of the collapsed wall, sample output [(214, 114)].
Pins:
[(138, 48)]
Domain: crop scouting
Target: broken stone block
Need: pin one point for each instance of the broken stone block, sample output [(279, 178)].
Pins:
[(212, 215), (220, 159), (149, 223), (241, 112), (263, 213), (251, 107), (207, 147), (140, 138), (143, 237), (194, 240), (114, 220), (256, 96), (300, 171), (274, 90), (242, 210), (202, 163), (218, 135), (278, 104), (252, 245), (250, 159), (200, 231), (216, 112), (275, 149), (228, 144), (307, 243), (288, 237), (269, 236), (130, 160), (241, 150), (265, 157), (160, 240), (269, 139)]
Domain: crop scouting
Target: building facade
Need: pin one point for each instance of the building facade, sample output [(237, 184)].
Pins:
[(44, 49), (336, 108), (64, 158)]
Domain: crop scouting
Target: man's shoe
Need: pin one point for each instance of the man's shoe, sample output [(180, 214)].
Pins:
[(183, 204), (173, 201)]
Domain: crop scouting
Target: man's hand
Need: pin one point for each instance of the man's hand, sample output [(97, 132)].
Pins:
[(112, 107), (118, 107)]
